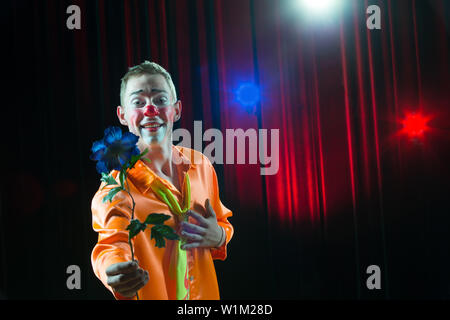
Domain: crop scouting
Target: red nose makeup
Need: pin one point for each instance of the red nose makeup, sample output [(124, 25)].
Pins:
[(151, 111)]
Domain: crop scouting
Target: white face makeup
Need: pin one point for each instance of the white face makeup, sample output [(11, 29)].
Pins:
[(149, 111)]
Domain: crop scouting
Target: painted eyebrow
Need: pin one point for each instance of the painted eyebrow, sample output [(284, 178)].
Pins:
[(153, 90)]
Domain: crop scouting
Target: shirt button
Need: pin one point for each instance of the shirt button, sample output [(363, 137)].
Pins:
[(191, 278)]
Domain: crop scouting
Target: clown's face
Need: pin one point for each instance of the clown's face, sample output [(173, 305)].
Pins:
[(149, 110)]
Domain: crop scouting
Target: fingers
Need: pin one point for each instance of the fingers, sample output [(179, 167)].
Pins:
[(122, 268), (191, 236), (129, 288), (198, 217), (128, 284), (192, 228), (191, 245), (203, 221), (209, 209), (124, 279), (201, 234), (132, 292)]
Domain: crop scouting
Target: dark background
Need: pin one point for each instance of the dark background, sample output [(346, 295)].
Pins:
[(351, 191)]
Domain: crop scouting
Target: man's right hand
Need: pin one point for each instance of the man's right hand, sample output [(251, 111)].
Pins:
[(126, 278)]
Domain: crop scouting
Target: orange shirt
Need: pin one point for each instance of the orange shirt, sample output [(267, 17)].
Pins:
[(110, 220)]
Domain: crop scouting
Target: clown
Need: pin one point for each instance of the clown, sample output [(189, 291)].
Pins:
[(182, 269)]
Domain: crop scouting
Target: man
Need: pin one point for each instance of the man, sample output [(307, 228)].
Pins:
[(149, 108)]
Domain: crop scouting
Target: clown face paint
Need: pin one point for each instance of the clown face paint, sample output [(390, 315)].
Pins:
[(148, 111)]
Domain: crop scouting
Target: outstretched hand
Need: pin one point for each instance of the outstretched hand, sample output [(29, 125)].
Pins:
[(206, 233), (126, 278)]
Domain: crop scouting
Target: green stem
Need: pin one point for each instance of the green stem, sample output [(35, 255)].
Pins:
[(132, 199), (132, 218)]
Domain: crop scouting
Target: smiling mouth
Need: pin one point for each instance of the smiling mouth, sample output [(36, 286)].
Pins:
[(152, 127)]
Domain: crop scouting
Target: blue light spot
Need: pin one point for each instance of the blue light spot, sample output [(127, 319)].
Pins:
[(247, 94)]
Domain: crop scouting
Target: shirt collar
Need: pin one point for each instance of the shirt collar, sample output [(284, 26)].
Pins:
[(142, 176)]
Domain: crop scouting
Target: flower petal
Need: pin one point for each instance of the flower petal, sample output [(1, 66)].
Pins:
[(129, 138), (96, 156), (114, 150), (97, 145), (135, 151), (101, 167), (123, 158), (112, 134), (113, 164)]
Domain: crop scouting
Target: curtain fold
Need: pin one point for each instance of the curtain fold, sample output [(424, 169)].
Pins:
[(351, 190)]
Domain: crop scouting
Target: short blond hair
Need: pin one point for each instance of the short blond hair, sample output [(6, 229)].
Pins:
[(146, 67)]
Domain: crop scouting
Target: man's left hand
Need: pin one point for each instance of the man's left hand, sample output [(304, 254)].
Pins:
[(206, 233)]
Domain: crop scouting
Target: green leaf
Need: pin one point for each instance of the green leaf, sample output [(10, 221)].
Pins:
[(135, 227), (156, 218), (135, 159), (159, 239), (108, 179), (122, 176), (111, 194), (161, 231)]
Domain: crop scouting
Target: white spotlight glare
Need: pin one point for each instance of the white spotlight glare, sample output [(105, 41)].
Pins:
[(319, 5)]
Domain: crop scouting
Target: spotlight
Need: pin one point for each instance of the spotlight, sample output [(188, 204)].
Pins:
[(318, 6), (414, 125), (247, 94)]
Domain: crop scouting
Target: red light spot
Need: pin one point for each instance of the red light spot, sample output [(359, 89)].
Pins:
[(414, 125)]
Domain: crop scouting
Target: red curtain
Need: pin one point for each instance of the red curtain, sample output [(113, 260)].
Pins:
[(351, 189)]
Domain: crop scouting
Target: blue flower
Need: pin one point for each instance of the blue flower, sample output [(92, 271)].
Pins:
[(114, 150)]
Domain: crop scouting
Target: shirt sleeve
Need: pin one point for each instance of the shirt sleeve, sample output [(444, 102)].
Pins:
[(109, 220), (222, 214)]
